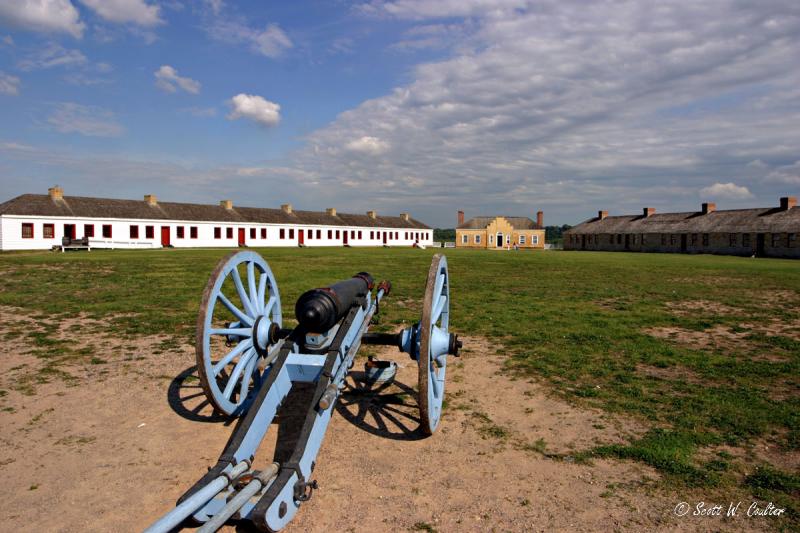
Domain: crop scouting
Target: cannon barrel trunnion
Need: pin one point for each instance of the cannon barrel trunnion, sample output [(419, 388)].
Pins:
[(248, 363)]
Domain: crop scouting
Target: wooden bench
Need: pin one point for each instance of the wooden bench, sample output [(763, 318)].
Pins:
[(74, 244)]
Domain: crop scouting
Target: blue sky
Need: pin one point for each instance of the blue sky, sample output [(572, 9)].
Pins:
[(491, 106)]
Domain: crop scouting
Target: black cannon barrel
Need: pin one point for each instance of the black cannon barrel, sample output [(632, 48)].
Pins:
[(318, 310)]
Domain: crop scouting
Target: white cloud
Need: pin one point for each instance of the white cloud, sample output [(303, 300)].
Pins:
[(726, 190), (124, 11), (53, 55), (9, 84), (535, 102), (255, 108), (342, 45), (114, 176), (216, 6), (787, 175), (42, 15), (272, 41), (90, 75), (368, 145), (167, 79), (17, 147), (425, 9), (91, 121)]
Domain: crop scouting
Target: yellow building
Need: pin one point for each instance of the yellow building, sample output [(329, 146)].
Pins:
[(500, 232)]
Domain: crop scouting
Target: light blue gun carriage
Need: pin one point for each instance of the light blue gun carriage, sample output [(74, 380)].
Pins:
[(248, 363)]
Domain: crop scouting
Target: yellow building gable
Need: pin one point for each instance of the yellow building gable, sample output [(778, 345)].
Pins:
[(499, 233)]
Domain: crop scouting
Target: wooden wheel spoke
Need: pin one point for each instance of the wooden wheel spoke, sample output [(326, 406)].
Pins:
[(248, 371), (235, 310), (251, 285), (262, 291), (237, 281), (241, 332), (230, 356), (437, 289), (437, 310), (237, 372), (434, 382), (269, 305)]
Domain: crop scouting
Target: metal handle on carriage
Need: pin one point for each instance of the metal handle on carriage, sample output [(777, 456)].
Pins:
[(260, 480), (188, 507)]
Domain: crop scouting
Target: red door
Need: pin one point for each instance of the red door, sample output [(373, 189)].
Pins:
[(69, 230), (384, 237), (345, 237), (164, 236), (241, 237), (300, 237)]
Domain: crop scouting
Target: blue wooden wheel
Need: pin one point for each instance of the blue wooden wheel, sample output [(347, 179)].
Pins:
[(434, 344), (239, 314)]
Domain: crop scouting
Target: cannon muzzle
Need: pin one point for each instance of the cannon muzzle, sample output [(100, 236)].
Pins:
[(318, 310)]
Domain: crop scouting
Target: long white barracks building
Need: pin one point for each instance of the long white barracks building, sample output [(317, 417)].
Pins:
[(40, 221)]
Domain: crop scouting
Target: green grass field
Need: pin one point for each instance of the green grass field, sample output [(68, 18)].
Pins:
[(574, 320)]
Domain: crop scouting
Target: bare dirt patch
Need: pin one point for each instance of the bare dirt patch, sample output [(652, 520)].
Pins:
[(670, 373), (774, 326), (718, 337), (770, 452), (763, 450), (706, 280), (692, 307), (776, 298), (114, 450)]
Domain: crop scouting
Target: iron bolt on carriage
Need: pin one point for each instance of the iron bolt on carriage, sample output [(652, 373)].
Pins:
[(248, 363)]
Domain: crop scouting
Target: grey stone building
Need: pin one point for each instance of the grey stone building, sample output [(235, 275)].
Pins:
[(769, 231)]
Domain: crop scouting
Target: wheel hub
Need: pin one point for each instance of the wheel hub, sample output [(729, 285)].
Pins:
[(264, 332)]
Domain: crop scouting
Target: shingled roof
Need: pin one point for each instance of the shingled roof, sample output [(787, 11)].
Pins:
[(79, 206), (766, 220), (482, 222)]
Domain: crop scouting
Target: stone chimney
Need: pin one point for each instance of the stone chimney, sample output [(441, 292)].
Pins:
[(151, 199), (56, 193), (540, 219), (602, 215), (647, 211), (227, 204), (709, 207), (404, 216), (460, 217), (372, 214), (331, 211), (788, 202), (286, 208)]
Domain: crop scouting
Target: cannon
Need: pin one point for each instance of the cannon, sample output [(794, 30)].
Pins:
[(248, 363)]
